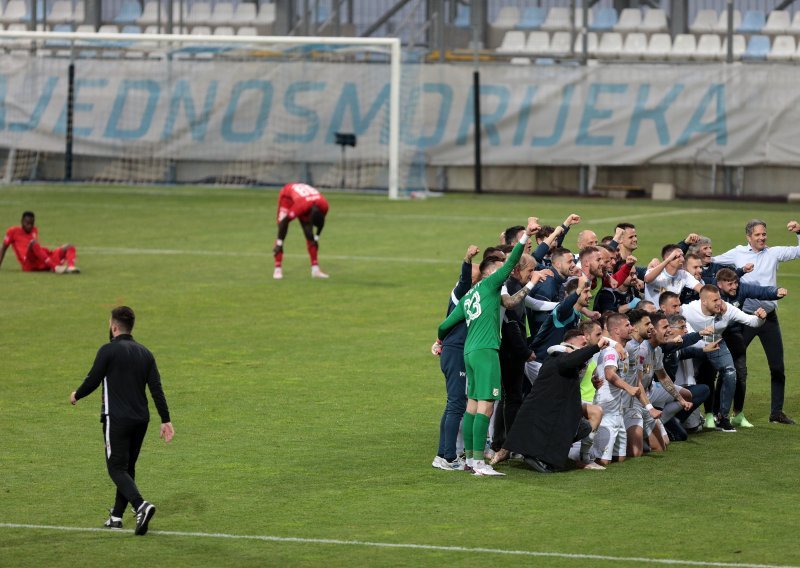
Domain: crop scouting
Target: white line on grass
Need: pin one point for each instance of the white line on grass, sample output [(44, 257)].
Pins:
[(198, 252), (670, 561)]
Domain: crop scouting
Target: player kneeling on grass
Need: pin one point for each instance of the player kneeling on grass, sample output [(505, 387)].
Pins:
[(480, 308), (31, 255), (301, 201)]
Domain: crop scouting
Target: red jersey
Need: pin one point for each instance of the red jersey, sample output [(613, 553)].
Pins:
[(296, 200), (20, 241)]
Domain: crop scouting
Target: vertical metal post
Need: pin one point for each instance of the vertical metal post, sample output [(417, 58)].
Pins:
[(729, 34), (70, 113), (476, 101)]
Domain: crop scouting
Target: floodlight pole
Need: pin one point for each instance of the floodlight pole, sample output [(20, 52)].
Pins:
[(70, 113), (476, 97)]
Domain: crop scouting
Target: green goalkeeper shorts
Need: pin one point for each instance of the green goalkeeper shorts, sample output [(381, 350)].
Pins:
[(483, 374)]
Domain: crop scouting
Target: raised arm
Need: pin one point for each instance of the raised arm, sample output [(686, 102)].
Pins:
[(511, 301), (653, 273), (568, 363), (465, 279)]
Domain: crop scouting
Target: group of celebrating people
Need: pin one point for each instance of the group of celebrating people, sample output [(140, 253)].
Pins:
[(577, 359)]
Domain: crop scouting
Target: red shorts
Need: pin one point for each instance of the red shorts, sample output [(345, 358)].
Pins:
[(34, 264)]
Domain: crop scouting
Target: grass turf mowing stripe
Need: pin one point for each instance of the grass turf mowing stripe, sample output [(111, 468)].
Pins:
[(325, 541)]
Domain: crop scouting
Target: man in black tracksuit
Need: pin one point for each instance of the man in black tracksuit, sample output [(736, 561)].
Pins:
[(124, 367)]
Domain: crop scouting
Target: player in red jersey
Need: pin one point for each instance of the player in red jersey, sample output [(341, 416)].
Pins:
[(303, 202), (31, 255)]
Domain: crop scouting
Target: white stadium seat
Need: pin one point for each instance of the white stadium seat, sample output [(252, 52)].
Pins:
[(654, 21), (684, 47), (722, 21), (635, 46), (778, 22), (610, 46), (538, 43), (739, 47), (659, 47), (705, 22), (222, 14), (559, 43), (708, 47), (513, 42), (591, 44), (783, 48), (630, 19)]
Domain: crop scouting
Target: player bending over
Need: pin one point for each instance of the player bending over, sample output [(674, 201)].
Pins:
[(301, 201)]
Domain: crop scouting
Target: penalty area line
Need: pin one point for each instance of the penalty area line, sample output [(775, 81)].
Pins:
[(411, 546)]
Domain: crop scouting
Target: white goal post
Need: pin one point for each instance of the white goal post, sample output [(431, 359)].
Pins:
[(228, 109)]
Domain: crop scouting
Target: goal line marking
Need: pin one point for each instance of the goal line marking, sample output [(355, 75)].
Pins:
[(362, 543)]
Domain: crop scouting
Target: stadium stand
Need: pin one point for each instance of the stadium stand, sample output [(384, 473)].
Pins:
[(199, 14), (61, 13), (795, 27), (16, 11), (659, 47), (722, 22), (592, 42), (507, 18), (559, 43), (538, 43), (222, 15), (149, 15), (513, 42)]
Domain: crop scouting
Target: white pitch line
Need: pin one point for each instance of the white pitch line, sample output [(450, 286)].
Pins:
[(328, 541), (198, 252)]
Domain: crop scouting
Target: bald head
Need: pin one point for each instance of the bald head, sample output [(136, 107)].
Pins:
[(587, 238)]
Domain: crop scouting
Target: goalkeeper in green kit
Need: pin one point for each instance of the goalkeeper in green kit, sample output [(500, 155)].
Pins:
[(480, 308)]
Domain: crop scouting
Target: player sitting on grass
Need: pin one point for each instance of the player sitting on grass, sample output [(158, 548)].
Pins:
[(31, 255)]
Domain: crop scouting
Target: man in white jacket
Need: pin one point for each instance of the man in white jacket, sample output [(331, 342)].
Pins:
[(711, 311)]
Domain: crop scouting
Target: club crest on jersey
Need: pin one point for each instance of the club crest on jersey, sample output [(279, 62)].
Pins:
[(495, 392)]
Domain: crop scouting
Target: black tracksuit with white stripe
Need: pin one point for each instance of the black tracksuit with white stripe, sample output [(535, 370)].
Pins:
[(125, 367)]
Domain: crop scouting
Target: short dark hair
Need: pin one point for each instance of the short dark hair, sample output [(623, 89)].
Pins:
[(693, 256), (317, 218), (511, 233), (606, 240), (636, 315), (572, 334), (571, 286), (675, 319), (662, 299), (559, 251), (492, 251), (544, 232), (752, 224), (505, 249), (656, 317), (727, 275), (124, 317), (488, 261), (644, 303), (28, 214), (625, 226), (666, 249)]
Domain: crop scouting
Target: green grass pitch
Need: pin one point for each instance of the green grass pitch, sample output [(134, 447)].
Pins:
[(310, 409)]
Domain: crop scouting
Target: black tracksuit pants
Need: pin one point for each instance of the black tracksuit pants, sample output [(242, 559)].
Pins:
[(123, 441)]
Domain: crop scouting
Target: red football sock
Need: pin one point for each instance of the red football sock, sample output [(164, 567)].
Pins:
[(70, 254), (278, 259), (312, 248)]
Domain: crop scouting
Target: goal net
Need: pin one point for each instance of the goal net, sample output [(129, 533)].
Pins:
[(340, 113)]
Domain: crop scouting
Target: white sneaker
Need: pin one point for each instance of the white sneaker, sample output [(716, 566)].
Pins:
[(593, 465), (441, 463), (278, 274), (60, 269), (317, 273), (484, 469)]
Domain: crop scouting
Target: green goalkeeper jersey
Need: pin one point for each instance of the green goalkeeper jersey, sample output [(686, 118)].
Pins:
[(480, 307)]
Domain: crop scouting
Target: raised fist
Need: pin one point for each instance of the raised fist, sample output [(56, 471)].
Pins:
[(691, 238), (631, 260), (472, 251), (572, 220), (793, 226), (533, 226)]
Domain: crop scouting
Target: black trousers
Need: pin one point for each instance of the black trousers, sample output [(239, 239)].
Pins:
[(512, 378), (123, 443), (772, 342)]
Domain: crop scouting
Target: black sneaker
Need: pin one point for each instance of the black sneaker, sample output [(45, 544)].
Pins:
[(143, 515), (780, 418), (112, 524), (724, 424)]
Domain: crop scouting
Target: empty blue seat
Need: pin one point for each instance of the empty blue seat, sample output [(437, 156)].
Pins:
[(129, 13), (604, 20), (462, 17), (757, 48), (752, 22), (131, 29), (532, 18)]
